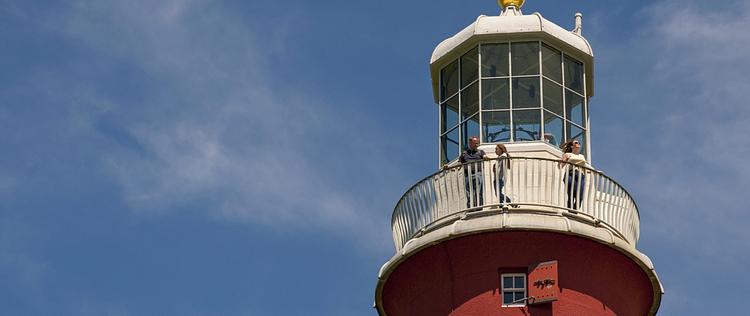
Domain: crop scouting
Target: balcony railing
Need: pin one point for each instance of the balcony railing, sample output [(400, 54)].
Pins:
[(526, 184)]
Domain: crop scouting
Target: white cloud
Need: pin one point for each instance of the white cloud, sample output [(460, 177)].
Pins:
[(698, 171), (225, 140)]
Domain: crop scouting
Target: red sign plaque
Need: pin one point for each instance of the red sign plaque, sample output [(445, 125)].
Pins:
[(544, 285)]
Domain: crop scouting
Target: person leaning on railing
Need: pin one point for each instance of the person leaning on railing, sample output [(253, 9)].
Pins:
[(575, 178), (471, 160), (498, 170)]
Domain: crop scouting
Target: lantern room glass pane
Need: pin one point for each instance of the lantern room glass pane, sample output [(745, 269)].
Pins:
[(553, 129), (573, 75), (575, 132), (574, 107), (525, 57), (553, 97), (469, 128), (526, 92), (449, 80), (470, 101), (494, 60), (526, 125), (449, 115), (469, 67), (449, 142), (496, 126), (551, 63), (496, 94)]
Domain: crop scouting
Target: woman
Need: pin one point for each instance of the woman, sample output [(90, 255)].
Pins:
[(503, 163), (575, 177)]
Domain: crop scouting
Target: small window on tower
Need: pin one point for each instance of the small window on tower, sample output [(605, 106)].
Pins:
[(513, 287)]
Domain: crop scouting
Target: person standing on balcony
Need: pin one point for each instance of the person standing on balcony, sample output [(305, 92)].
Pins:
[(575, 178), (471, 159), (499, 171)]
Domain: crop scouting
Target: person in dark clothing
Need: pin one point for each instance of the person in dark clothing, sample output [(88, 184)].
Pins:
[(471, 159)]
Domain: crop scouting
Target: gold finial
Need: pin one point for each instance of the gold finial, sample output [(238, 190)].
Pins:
[(506, 3)]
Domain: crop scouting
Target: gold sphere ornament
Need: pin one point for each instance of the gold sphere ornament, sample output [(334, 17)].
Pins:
[(506, 3)]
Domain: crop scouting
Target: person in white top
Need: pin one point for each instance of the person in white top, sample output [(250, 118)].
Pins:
[(499, 171), (575, 178)]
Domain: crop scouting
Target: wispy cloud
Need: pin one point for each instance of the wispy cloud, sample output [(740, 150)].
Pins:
[(698, 170), (213, 133)]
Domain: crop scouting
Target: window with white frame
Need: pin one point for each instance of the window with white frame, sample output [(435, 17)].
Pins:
[(513, 289)]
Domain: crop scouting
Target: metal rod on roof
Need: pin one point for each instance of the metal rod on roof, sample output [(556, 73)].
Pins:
[(579, 23)]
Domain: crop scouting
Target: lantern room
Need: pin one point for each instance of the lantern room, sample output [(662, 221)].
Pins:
[(514, 79)]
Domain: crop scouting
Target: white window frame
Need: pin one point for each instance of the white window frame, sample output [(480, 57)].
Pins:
[(503, 290)]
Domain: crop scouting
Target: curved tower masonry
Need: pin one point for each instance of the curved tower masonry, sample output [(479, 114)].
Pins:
[(534, 230)]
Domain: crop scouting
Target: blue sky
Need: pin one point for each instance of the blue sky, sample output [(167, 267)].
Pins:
[(188, 157)]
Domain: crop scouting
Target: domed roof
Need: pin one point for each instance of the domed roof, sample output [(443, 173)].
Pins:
[(513, 25), (510, 25)]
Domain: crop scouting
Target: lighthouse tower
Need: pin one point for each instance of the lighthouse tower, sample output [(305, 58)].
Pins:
[(536, 231)]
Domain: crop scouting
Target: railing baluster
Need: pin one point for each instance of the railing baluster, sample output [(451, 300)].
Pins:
[(631, 221), (427, 202), (460, 190), (621, 203), (532, 183), (562, 182), (471, 185), (493, 184), (547, 183), (615, 211), (397, 219), (448, 178), (537, 182), (413, 214), (510, 181), (453, 184), (407, 216), (620, 211), (446, 194), (425, 196), (603, 198), (596, 189), (438, 195), (610, 214), (625, 212), (613, 202), (590, 190), (419, 205)]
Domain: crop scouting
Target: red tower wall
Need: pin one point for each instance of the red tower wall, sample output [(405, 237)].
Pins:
[(462, 277)]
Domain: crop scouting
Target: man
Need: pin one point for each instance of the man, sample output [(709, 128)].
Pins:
[(471, 160)]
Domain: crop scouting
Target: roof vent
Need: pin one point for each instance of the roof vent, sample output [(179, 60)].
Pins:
[(579, 23)]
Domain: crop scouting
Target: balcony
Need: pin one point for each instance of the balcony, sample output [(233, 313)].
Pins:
[(531, 185)]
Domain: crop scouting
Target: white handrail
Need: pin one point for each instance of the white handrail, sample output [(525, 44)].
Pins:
[(528, 182)]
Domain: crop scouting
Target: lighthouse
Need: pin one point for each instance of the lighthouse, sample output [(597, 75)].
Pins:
[(518, 220)]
